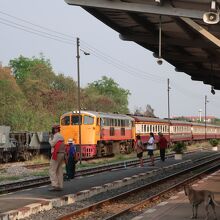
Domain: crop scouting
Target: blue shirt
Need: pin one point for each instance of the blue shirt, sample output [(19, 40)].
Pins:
[(72, 150)]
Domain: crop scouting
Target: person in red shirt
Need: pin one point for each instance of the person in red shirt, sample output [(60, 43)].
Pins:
[(162, 144)]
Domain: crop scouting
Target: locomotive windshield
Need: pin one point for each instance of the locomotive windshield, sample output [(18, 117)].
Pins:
[(65, 120), (75, 119)]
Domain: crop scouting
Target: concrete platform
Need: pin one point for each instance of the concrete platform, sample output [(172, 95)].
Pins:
[(178, 207), (24, 203)]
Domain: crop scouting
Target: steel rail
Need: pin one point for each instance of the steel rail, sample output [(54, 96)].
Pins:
[(42, 181), (126, 194), (157, 196)]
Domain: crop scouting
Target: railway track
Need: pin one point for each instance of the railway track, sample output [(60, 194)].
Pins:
[(42, 181), (130, 203)]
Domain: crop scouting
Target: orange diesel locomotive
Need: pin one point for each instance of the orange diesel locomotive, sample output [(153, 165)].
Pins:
[(102, 134)]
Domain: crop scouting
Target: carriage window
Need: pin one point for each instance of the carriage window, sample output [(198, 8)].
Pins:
[(65, 120), (108, 122), (88, 120), (75, 119), (112, 131), (122, 131), (119, 122), (132, 124), (102, 121), (122, 123), (112, 122)]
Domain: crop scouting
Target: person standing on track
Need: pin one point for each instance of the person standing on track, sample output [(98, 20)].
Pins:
[(139, 149), (57, 159), (150, 148), (162, 144)]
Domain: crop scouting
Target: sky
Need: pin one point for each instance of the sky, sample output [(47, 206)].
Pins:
[(51, 27)]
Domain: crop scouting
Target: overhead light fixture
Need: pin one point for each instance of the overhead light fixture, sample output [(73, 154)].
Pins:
[(160, 60), (159, 2), (213, 16), (212, 90)]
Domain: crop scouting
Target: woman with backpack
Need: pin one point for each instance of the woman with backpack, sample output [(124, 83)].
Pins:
[(139, 149)]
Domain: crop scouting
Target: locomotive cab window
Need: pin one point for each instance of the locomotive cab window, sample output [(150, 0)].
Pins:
[(88, 120), (65, 120), (75, 119)]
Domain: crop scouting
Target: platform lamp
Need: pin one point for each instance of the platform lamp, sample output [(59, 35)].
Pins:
[(206, 101), (159, 60), (78, 98), (212, 79)]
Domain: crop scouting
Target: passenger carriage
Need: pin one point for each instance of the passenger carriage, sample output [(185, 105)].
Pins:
[(145, 125), (180, 131)]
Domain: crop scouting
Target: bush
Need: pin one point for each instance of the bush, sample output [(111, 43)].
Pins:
[(214, 142), (179, 147)]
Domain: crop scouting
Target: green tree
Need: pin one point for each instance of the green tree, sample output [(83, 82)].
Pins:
[(107, 96), (42, 87), (10, 95), (22, 66)]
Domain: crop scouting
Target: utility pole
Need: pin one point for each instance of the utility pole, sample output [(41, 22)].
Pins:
[(168, 103), (79, 105)]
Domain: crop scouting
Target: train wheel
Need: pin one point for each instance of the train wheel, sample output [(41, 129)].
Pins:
[(6, 157), (109, 149), (129, 148), (100, 147)]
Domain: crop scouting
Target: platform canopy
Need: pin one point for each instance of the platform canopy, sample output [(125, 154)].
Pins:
[(188, 42)]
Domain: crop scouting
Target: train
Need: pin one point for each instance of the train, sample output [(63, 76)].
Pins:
[(23, 145), (102, 134)]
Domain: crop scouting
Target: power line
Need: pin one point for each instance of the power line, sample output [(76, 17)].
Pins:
[(34, 31), (70, 40), (97, 53), (45, 28)]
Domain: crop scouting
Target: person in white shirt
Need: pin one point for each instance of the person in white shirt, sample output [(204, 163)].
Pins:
[(150, 148)]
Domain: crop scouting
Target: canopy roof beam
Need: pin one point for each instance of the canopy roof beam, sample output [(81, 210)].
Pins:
[(165, 9)]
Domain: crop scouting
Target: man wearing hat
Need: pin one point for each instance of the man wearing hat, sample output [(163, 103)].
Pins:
[(57, 158), (162, 144), (70, 159)]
